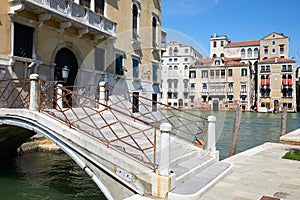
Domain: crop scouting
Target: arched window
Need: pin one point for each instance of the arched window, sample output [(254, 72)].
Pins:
[(170, 51), (175, 67), (175, 51), (268, 80), (154, 32), (170, 67), (217, 62), (243, 53), (284, 80), (135, 16), (290, 80), (222, 55), (186, 67), (256, 52), (249, 53), (215, 55), (262, 80), (193, 87)]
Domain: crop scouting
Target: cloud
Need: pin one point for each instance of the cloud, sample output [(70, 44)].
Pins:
[(188, 7)]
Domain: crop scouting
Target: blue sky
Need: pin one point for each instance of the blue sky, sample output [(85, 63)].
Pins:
[(240, 20)]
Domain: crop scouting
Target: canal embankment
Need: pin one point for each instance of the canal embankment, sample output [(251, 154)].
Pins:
[(261, 173)]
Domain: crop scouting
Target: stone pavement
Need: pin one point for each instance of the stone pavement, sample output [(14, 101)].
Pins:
[(257, 172)]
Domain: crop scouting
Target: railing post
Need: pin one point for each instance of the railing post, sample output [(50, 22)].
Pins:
[(211, 134), (164, 163), (59, 96), (34, 92), (102, 85)]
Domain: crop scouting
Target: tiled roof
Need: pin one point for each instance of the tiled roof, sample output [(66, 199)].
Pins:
[(235, 63), (203, 61), (232, 59), (244, 43), (279, 60)]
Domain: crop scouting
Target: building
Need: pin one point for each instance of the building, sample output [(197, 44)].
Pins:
[(222, 84), (271, 78), (276, 75), (176, 74), (96, 39)]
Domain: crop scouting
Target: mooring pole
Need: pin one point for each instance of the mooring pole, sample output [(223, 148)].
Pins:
[(283, 121), (236, 126)]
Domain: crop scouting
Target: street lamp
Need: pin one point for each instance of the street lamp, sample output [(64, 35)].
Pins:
[(65, 73)]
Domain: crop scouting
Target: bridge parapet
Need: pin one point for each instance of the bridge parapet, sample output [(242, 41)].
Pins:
[(118, 119)]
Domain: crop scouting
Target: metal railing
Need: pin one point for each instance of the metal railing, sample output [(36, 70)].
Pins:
[(112, 122)]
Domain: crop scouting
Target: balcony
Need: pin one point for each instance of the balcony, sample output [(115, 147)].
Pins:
[(65, 14)]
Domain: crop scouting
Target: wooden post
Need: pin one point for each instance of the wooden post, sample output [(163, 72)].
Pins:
[(236, 126), (283, 121)]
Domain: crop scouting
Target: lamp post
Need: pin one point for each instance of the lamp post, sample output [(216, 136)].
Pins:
[(65, 73)]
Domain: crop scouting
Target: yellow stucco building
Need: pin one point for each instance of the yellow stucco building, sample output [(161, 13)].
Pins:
[(112, 40)]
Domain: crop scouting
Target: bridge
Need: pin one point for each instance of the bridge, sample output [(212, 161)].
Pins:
[(127, 144)]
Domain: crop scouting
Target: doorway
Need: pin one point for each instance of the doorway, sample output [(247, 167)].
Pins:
[(215, 105), (65, 57)]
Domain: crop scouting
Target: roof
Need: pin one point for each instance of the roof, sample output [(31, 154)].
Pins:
[(244, 43), (279, 60), (235, 63), (204, 62)]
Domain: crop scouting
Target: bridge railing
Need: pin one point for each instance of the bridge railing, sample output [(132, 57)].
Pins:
[(14, 93), (125, 121)]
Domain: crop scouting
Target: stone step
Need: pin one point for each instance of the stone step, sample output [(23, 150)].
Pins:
[(195, 185)]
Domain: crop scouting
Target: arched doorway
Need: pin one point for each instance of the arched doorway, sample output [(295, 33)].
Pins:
[(215, 105), (65, 57), (180, 103), (276, 106)]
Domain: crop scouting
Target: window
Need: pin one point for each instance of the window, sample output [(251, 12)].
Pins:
[(222, 73), (212, 74), (85, 3), (281, 49), (154, 72), (23, 40), (119, 69), (99, 6), (170, 68), (222, 43), (244, 72), (170, 51), (154, 102), (273, 50), (170, 84), (262, 68), (170, 59), (192, 74), (217, 62), (256, 52), (186, 59), (100, 59), (175, 67), (175, 51), (243, 89), (204, 74), (290, 68), (154, 32), (217, 73), (135, 15), (230, 87), (135, 68), (175, 59), (283, 68), (229, 72), (215, 55), (268, 68), (266, 50), (175, 84), (193, 87), (135, 102), (215, 44), (222, 55), (249, 53), (186, 50), (243, 53)]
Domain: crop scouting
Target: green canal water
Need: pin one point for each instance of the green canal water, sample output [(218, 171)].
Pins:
[(45, 176)]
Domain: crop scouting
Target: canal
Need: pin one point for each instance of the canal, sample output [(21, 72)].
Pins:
[(40, 175)]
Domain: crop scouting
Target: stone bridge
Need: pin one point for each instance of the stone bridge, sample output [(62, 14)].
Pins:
[(143, 148)]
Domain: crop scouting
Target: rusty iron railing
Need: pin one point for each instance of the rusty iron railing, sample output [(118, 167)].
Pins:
[(113, 122), (14, 93)]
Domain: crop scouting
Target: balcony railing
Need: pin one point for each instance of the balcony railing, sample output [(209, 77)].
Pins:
[(72, 11)]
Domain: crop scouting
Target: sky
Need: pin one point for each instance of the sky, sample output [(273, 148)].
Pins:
[(195, 21)]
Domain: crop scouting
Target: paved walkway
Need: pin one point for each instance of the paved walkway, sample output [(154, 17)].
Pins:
[(257, 172)]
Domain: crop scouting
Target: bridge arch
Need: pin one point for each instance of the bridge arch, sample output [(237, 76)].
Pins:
[(74, 153)]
